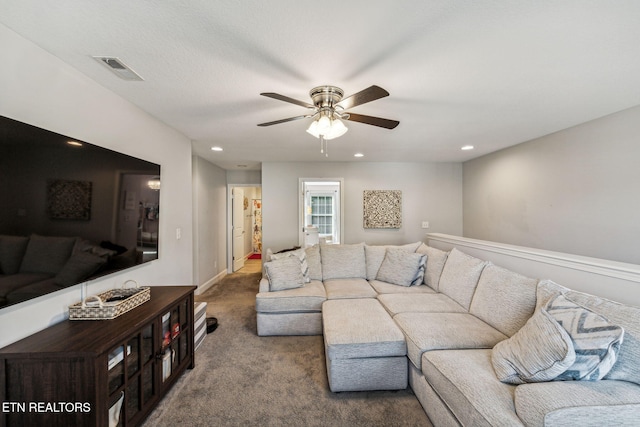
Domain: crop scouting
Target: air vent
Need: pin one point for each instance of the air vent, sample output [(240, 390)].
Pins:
[(118, 67)]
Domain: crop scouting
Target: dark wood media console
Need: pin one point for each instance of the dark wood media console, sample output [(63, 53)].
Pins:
[(84, 372)]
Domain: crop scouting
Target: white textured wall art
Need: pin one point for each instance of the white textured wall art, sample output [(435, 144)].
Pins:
[(382, 209)]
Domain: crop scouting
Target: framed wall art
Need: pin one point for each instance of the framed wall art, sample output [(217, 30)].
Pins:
[(69, 199), (382, 208)]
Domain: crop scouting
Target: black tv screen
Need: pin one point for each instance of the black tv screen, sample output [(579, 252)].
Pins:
[(70, 211)]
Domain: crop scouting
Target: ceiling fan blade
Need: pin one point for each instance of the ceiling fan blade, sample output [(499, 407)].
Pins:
[(286, 99), (375, 121), (367, 95), (290, 119)]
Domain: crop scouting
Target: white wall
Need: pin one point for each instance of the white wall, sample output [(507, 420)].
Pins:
[(574, 191), (430, 192), (41, 90), (209, 222)]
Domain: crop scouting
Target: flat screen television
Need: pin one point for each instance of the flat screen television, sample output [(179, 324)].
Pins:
[(70, 211)]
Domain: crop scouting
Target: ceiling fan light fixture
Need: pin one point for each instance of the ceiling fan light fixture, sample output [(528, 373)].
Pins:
[(337, 129), (313, 129)]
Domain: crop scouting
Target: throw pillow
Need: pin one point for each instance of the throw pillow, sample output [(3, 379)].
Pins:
[(79, 267), (435, 263), (595, 340), (540, 351), (402, 268), (284, 273), (374, 255), (301, 255)]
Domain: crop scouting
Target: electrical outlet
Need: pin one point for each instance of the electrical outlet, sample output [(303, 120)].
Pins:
[(178, 233), (425, 224)]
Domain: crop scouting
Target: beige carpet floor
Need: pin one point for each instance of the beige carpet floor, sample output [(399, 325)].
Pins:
[(241, 379)]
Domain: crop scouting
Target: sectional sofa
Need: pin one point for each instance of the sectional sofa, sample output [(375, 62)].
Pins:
[(477, 343), (34, 265)]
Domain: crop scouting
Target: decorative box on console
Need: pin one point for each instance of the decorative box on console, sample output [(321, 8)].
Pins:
[(109, 304)]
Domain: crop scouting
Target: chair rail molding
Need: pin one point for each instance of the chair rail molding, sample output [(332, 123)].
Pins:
[(610, 279)]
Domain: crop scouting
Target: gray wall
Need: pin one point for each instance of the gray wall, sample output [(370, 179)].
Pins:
[(430, 192), (39, 89), (209, 220), (574, 191)]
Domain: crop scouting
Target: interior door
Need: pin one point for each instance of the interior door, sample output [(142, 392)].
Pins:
[(237, 223)]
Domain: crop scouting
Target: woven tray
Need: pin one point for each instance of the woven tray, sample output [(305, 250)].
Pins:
[(97, 307)]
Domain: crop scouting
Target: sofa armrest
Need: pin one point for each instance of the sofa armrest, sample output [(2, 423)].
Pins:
[(264, 285), (561, 403), (609, 415)]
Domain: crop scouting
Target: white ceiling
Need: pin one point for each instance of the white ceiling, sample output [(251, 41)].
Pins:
[(488, 73)]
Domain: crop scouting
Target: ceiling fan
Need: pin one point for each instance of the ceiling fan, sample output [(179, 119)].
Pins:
[(328, 109)]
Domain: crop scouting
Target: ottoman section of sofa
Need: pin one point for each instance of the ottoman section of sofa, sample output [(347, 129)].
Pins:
[(365, 349)]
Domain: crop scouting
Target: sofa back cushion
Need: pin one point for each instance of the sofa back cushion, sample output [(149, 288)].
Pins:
[(374, 255), (12, 250), (343, 261), (435, 263), (313, 260), (460, 276), (504, 299), (46, 254)]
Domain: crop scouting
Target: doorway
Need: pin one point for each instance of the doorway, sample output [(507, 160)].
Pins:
[(321, 210), (244, 213)]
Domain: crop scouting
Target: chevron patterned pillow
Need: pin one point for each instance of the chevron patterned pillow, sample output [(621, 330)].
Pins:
[(595, 340)]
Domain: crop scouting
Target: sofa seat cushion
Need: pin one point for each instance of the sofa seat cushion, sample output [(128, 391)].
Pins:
[(537, 404), (308, 298), (466, 383), (419, 303), (348, 288), (439, 331), (389, 288), (32, 290), (504, 299), (12, 282), (360, 328), (460, 277)]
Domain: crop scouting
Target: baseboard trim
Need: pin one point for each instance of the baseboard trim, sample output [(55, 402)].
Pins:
[(209, 283)]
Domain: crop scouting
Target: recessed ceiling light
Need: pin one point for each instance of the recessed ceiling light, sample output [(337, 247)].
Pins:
[(75, 143), (467, 147), (242, 166), (216, 148), (358, 155)]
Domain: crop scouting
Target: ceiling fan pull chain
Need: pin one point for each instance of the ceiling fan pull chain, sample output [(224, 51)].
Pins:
[(321, 144)]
